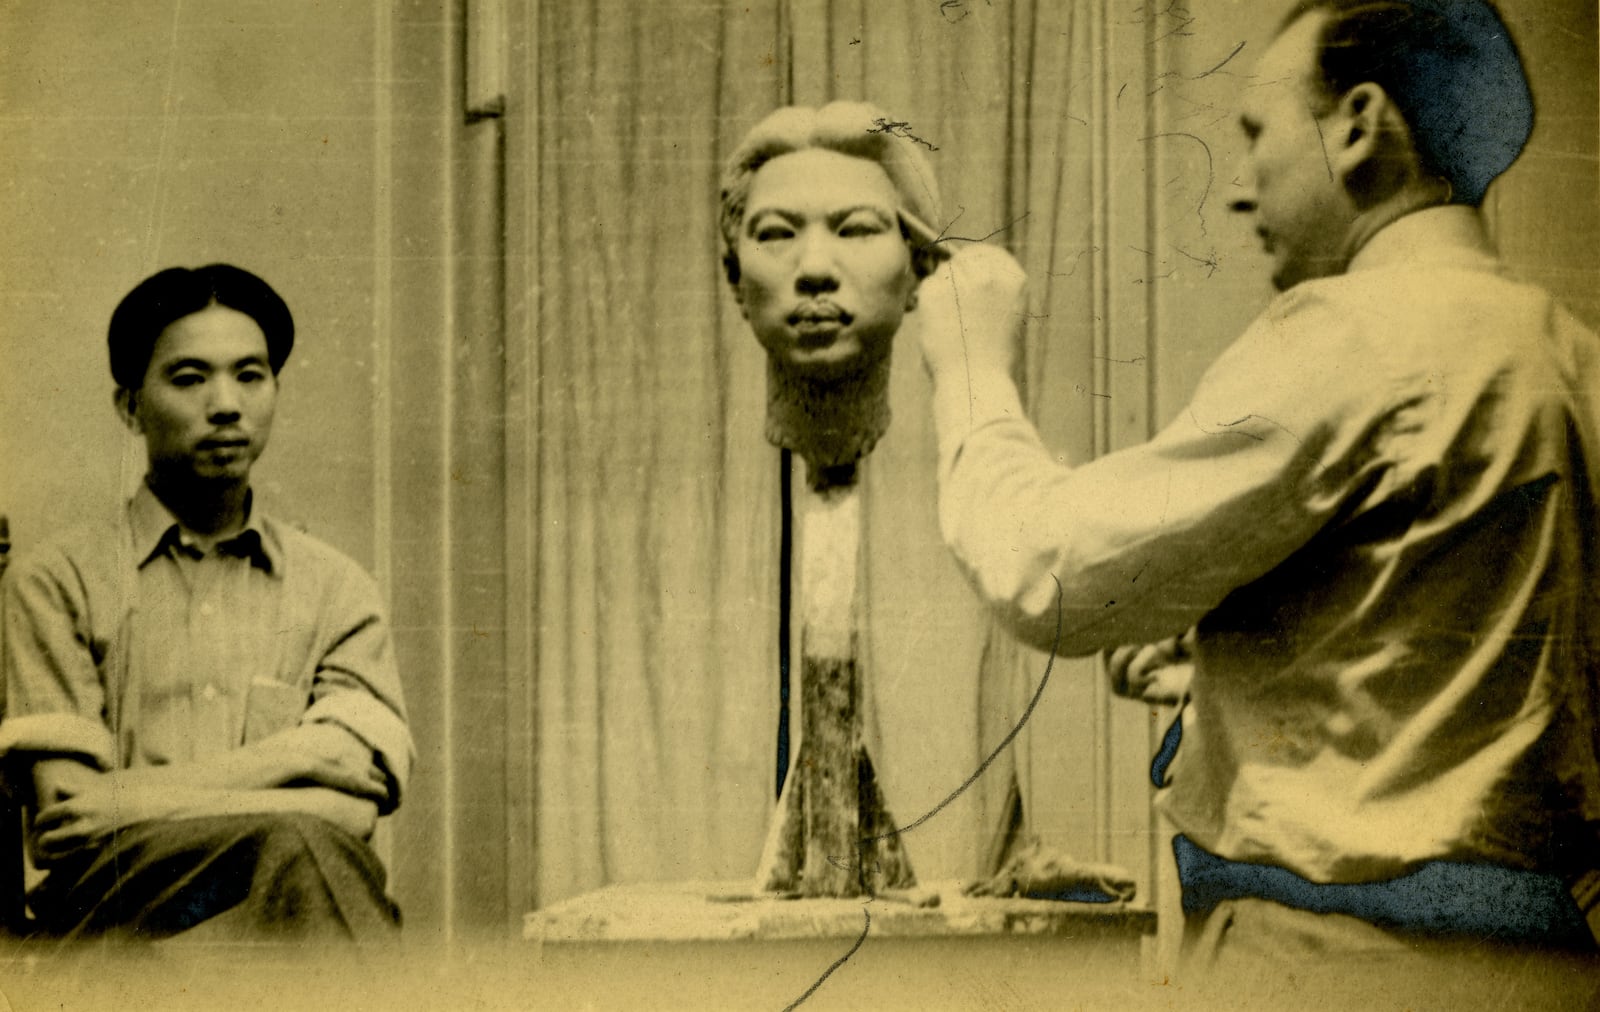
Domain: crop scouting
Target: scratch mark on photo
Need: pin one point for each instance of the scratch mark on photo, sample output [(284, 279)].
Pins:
[(943, 235), (865, 928), (1225, 61), (1200, 208)]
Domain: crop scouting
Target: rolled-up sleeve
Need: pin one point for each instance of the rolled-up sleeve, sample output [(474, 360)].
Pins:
[(357, 683), (1145, 541), (54, 699)]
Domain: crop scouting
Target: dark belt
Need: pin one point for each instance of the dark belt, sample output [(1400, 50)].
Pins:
[(1438, 898)]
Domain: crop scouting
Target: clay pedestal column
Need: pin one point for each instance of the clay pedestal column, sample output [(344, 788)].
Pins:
[(831, 834)]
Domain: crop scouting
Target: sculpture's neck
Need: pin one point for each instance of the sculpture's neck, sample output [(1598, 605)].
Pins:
[(831, 423)]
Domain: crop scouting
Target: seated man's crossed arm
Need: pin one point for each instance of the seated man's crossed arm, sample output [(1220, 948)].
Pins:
[(85, 778), (319, 769)]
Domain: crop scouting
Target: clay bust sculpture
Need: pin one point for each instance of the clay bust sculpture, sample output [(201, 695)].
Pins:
[(825, 236), (825, 240)]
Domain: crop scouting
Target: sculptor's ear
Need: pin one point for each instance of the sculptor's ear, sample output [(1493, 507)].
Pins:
[(127, 404), (1365, 116)]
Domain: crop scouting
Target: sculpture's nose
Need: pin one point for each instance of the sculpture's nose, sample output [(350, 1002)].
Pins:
[(816, 271)]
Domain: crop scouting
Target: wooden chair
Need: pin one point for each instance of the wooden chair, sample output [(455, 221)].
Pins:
[(14, 918)]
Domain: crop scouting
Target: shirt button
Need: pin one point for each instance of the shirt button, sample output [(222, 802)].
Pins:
[(208, 609), (208, 693)]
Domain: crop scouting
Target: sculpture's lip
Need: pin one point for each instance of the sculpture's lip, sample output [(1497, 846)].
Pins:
[(816, 333)]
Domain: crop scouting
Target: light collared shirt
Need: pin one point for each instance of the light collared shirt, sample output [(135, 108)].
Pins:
[(1380, 509), (126, 644)]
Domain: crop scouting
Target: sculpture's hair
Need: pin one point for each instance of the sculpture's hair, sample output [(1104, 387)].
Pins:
[(168, 296), (1449, 66), (852, 128)]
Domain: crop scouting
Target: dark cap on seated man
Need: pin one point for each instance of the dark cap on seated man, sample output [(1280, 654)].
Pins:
[(207, 697)]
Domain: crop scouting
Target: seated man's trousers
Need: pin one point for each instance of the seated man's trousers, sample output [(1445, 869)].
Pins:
[(227, 878)]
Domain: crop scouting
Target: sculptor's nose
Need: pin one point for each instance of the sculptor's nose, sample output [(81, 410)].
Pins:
[(1242, 191), (816, 271)]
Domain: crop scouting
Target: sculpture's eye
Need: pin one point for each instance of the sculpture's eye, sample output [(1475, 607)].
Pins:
[(771, 229), (862, 225)]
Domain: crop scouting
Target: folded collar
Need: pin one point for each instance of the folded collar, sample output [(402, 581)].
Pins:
[(1444, 236), (156, 530)]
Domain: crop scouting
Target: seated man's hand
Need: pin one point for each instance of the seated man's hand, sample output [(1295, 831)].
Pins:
[(971, 313), (1046, 873), (56, 778), (330, 755), (68, 825), (1156, 673)]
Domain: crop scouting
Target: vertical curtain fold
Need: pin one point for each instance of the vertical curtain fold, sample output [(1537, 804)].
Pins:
[(658, 518)]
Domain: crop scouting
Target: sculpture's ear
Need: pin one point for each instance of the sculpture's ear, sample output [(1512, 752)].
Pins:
[(730, 269), (127, 404)]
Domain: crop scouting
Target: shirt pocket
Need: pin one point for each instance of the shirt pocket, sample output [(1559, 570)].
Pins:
[(273, 706)]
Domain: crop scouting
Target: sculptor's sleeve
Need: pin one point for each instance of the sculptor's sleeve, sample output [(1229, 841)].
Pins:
[(54, 700), (357, 684), (1146, 540)]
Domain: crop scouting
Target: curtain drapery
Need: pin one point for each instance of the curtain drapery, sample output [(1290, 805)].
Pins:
[(659, 504)]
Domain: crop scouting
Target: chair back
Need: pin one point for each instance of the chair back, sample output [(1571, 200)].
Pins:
[(13, 891)]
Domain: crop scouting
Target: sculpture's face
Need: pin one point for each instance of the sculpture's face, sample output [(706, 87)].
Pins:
[(824, 273)]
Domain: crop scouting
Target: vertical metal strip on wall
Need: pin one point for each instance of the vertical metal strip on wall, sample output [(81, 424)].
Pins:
[(523, 460), (382, 302), (479, 685), (382, 380)]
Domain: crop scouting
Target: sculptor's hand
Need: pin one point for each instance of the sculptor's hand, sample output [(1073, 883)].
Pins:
[(1156, 673), (971, 313)]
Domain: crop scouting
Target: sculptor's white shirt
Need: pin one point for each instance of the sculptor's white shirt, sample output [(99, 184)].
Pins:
[(1379, 510)]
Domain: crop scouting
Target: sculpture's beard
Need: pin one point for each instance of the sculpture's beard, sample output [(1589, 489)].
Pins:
[(831, 422)]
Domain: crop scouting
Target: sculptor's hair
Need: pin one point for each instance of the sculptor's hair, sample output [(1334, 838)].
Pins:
[(852, 128), (1449, 66), (170, 295)]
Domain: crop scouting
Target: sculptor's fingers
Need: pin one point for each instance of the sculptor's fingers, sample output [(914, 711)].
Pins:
[(1165, 685), (971, 311)]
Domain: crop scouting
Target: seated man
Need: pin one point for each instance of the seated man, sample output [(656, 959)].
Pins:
[(206, 698)]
